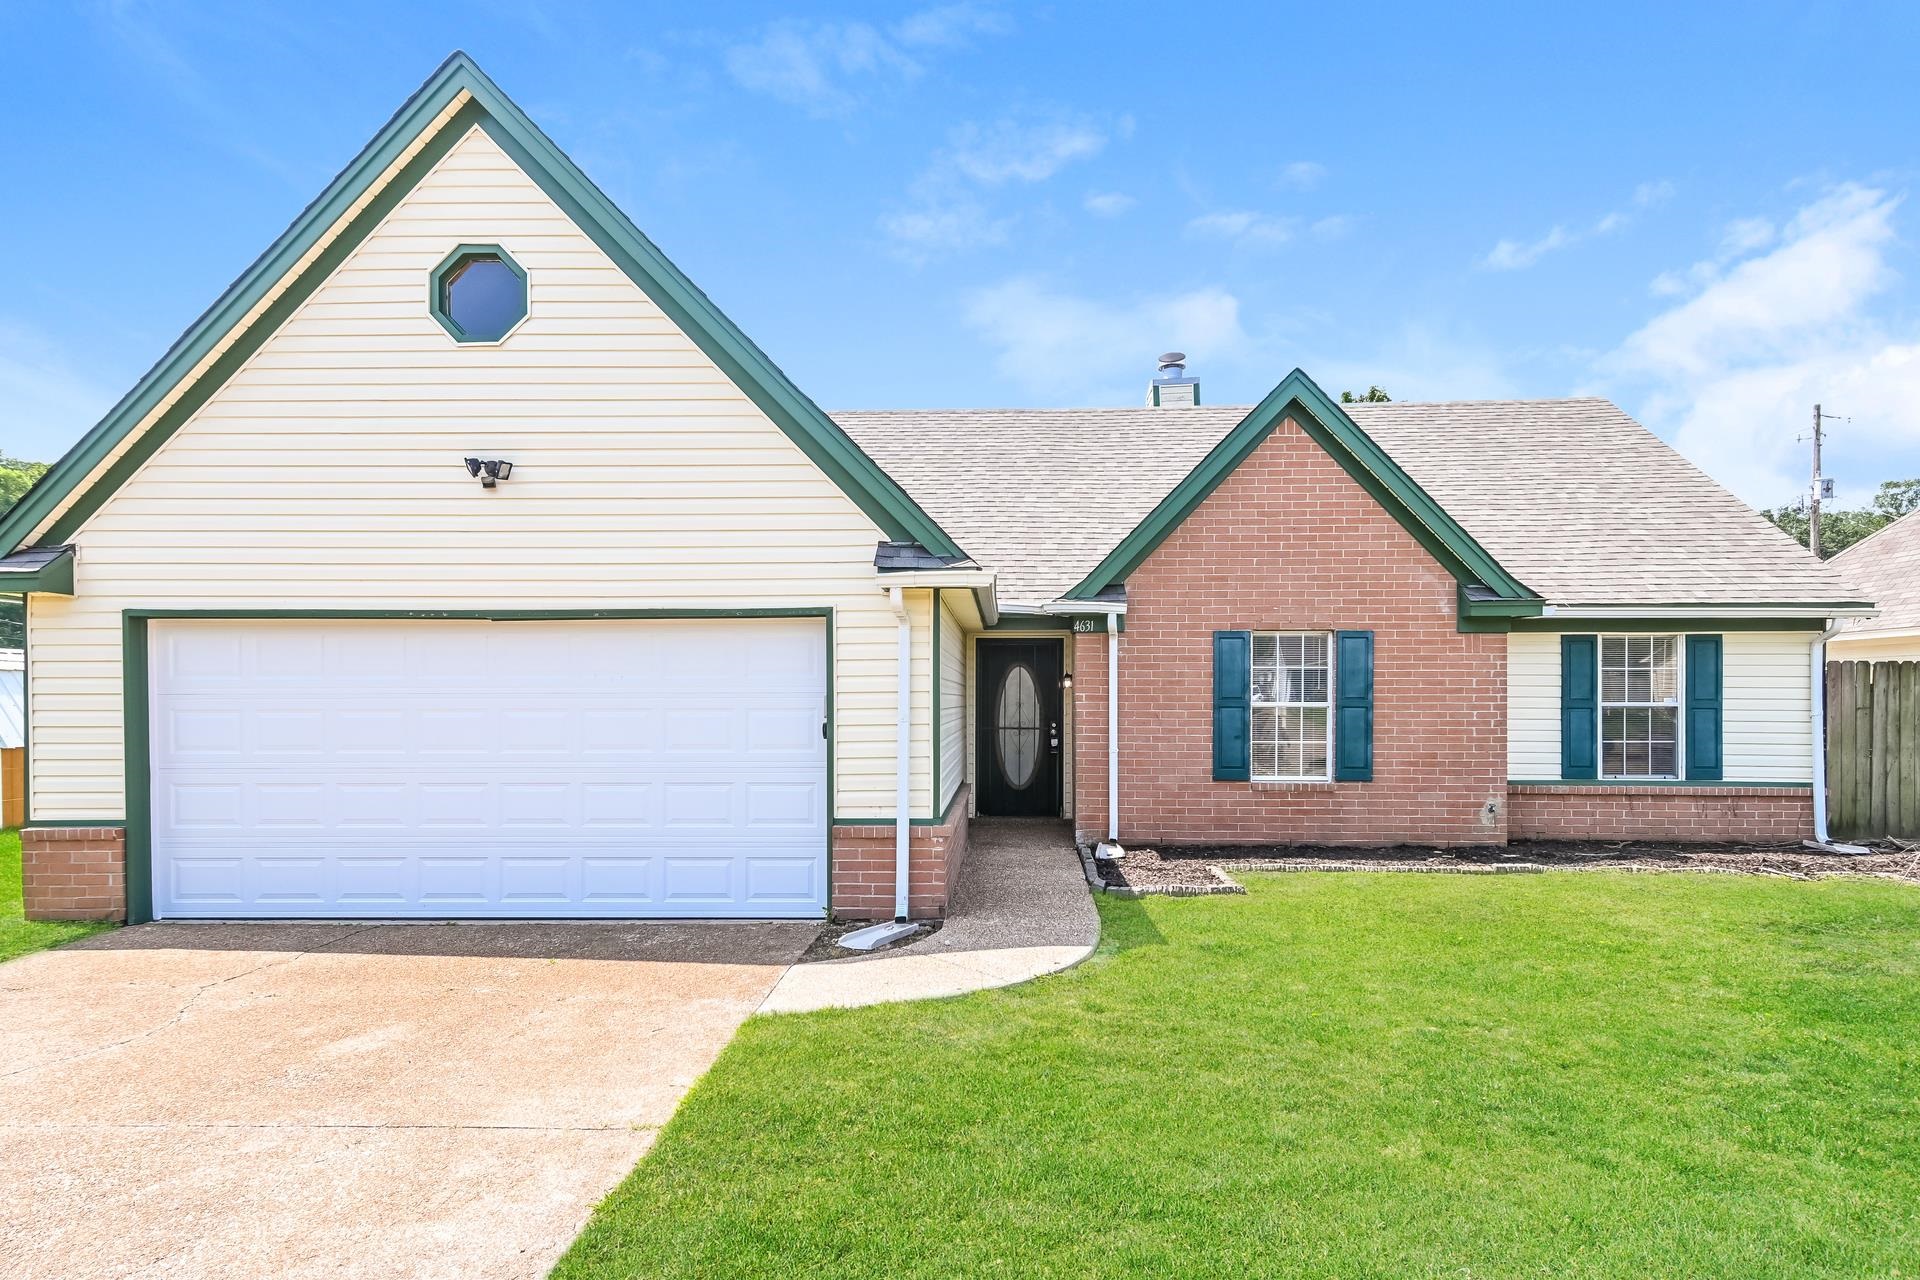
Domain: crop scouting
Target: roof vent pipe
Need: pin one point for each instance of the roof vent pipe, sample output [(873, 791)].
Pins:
[(1171, 388)]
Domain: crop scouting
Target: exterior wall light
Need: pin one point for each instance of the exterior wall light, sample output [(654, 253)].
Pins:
[(489, 470), (1066, 681)]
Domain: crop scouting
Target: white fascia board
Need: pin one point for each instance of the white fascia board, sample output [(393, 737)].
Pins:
[(1084, 606), (978, 581)]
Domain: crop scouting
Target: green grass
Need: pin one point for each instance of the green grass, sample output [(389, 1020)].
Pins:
[(1566, 1075), (18, 935)]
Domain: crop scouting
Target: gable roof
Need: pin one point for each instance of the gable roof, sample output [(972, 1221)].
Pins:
[(1885, 565), (455, 99), (1573, 498)]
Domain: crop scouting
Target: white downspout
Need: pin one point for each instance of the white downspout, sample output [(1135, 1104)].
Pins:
[(1113, 728), (1818, 674), (903, 740)]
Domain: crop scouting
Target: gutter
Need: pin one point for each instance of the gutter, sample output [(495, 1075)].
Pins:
[(1817, 672), (1826, 612), (903, 740)]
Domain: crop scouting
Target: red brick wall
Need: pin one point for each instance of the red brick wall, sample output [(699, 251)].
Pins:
[(863, 867), (1759, 815), (1290, 542), (74, 873)]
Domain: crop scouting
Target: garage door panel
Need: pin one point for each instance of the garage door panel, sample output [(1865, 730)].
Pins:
[(607, 768)]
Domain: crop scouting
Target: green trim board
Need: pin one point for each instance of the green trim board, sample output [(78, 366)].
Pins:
[(822, 440), (437, 291), (136, 733), (1664, 626), (1298, 398), (1715, 784)]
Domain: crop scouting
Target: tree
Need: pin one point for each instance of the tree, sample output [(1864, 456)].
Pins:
[(1372, 395), (1840, 528), (16, 477)]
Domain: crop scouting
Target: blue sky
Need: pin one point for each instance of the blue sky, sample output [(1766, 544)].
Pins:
[(1702, 215)]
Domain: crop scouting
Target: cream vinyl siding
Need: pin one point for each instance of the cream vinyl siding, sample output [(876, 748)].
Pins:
[(1533, 705), (326, 475), (1767, 706), (953, 706), (1868, 647), (1765, 713)]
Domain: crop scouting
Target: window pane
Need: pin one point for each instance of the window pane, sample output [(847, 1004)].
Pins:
[(485, 297)]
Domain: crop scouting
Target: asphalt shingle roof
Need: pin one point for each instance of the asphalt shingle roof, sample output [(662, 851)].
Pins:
[(1885, 567), (1573, 497)]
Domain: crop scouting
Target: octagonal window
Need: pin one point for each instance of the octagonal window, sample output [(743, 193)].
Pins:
[(479, 293)]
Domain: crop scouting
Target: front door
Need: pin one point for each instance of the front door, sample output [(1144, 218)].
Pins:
[(1019, 733)]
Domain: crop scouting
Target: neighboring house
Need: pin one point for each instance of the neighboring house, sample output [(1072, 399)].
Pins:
[(465, 560), (1885, 566)]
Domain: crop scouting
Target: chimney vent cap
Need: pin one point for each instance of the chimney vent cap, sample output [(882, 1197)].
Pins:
[(1172, 359)]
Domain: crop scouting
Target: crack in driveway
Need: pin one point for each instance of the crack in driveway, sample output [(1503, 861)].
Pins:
[(193, 997)]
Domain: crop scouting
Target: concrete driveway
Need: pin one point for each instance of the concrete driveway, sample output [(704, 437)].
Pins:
[(295, 1100)]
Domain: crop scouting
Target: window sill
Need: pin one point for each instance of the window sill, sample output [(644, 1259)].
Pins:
[(1290, 784)]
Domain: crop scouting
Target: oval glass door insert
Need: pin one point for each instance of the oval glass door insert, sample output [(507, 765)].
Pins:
[(1019, 726)]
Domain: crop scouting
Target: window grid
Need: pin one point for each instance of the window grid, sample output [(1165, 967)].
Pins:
[(1291, 739), (1639, 706)]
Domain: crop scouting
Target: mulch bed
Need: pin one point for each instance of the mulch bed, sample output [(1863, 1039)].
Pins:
[(1191, 866)]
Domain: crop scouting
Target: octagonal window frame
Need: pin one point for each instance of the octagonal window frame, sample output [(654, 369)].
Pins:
[(436, 292)]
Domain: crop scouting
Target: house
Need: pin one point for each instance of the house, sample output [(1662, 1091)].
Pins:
[(464, 560), (1885, 566)]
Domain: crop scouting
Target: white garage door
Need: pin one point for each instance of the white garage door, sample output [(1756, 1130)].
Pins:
[(412, 768)]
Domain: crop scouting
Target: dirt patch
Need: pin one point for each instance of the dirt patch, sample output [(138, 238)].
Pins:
[(827, 945), (1170, 866)]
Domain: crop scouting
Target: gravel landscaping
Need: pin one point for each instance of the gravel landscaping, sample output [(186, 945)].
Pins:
[(1190, 868)]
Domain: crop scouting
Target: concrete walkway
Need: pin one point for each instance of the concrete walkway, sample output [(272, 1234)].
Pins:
[(1021, 909), (349, 1100)]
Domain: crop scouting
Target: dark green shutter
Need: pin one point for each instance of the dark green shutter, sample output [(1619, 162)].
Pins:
[(1232, 696), (1703, 708), (1353, 706), (1579, 706)]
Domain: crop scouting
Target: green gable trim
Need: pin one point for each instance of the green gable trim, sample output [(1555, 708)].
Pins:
[(1328, 426), (830, 449)]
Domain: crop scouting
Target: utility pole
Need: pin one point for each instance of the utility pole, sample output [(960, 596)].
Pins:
[(1813, 511)]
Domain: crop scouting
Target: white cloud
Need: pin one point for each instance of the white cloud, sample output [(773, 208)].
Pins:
[(1303, 175), (1244, 228), (945, 210), (1649, 194), (1732, 372), (48, 403), (1068, 349), (1331, 227), (1012, 150), (1517, 255), (822, 66), (931, 227), (949, 26), (1512, 255), (1108, 204)]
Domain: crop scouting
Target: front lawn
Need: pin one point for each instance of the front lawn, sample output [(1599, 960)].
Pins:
[(1561, 1075), (18, 935)]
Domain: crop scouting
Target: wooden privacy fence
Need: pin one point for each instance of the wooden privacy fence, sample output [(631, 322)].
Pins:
[(1873, 750)]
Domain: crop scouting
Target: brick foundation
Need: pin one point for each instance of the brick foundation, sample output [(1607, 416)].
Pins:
[(1683, 813), (863, 858), (1290, 542), (74, 873)]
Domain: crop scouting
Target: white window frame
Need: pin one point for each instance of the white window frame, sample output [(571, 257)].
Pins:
[(1255, 704), (1678, 706)]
